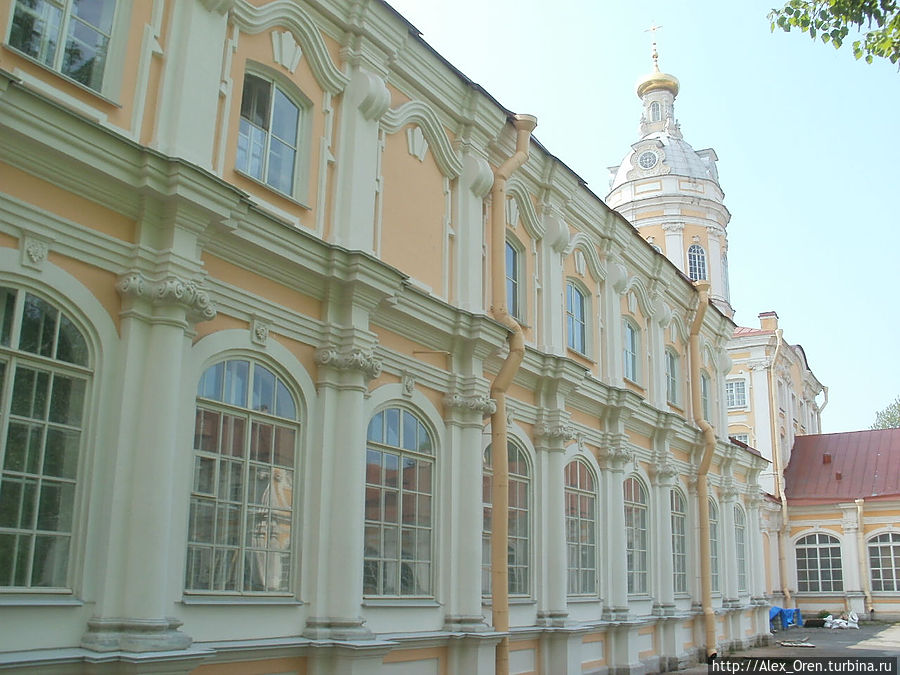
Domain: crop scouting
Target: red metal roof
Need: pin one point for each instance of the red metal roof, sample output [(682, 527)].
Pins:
[(863, 464), (741, 331)]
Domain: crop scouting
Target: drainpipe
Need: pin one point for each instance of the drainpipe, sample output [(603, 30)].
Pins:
[(862, 556), (709, 447), (524, 125), (779, 474)]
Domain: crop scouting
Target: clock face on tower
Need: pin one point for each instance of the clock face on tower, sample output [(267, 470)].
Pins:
[(647, 159)]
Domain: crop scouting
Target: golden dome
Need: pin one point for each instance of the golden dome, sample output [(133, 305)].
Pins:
[(656, 80)]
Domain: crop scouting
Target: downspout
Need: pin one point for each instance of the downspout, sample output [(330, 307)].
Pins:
[(779, 474), (863, 555), (524, 125), (709, 447)]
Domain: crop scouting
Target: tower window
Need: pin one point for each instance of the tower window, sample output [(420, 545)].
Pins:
[(696, 262), (655, 112)]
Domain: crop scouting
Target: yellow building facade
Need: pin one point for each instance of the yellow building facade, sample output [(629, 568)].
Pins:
[(253, 261)]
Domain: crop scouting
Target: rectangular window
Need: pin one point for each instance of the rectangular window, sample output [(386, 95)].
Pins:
[(512, 280), (743, 438), (736, 393), (576, 327), (671, 377), (631, 352), (69, 36), (269, 135)]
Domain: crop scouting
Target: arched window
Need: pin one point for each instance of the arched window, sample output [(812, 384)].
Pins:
[(704, 396), (819, 563), (636, 535), (45, 374), (714, 545), (519, 521), (399, 505), (672, 382), (655, 112), (513, 279), (576, 323), (246, 432), (884, 561), (740, 547), (679, 540), (269, 135), (581, 528), (696, 262), (632, 345)]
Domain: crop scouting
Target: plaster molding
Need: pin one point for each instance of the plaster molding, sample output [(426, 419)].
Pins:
[(471, 403), (285, 50), (516, 189), (34, 250), (169, 290), (350, 359), (581, 242), (416, 143), (288, 14), (408, 382), (259, 331), (423, 115)]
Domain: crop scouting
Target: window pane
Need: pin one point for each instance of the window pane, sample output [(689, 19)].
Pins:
[(30, 393), (61, 453), (85, 54), (7, 309), (285, 119), (67, 400), (236, 376), (38, 326), (255, 101), (71, 345), (284, 402), (263, 389), (35, 29)]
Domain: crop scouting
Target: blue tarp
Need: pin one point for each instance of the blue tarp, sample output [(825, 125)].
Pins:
[(788, 617)]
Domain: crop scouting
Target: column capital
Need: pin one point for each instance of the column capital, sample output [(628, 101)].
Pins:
[(349, 358), (168, 290), (553, 429)]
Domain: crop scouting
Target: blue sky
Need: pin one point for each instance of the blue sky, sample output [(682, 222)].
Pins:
[(808, 141)]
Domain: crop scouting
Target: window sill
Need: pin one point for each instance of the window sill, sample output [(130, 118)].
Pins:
[(571, 351), (400, 602), (65, 78), (521, 600), (582, 599), (269, 188), (238, 600), (39, 599)]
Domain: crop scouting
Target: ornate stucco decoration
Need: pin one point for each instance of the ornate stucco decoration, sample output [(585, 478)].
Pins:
[(287, 14), (352, 358), (186, 293), (475, 403), (34, 251), (424, 116), (417, 143), (409, 385), (665, 472), (259, 331), (758, 364), (285, 50)]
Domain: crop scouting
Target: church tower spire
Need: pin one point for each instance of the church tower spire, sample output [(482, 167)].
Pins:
[(670, 192)]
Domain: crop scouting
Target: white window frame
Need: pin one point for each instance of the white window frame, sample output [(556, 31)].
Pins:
[(514, 291), (576, 326), (743, 438), (631, 342), (678, 514), (673, 382), (740, 547), (413, 525), (655, 111), (705, 402), (276, 507), (713, 545), (60, 527), (818, 563), (581, 528), (113, 65), (520, 526), (300, 184), (697, 263), (884, 562), (637, 536), (736, 393)]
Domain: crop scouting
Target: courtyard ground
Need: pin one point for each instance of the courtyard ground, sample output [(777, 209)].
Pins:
[(872, 639)]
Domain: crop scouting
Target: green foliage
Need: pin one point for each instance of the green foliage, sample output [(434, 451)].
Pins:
[(889, 418), (832, 20)]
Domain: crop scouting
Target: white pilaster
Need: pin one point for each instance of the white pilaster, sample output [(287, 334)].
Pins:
[(675, 244)]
